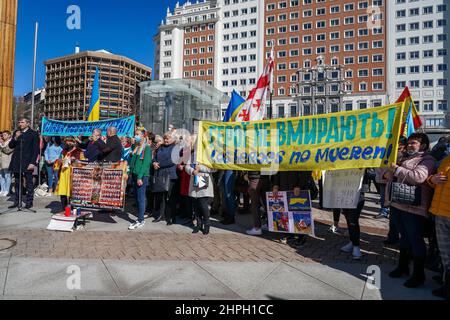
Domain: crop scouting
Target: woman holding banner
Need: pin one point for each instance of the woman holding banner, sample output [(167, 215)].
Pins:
[(70, 154), (140, 163), (410, 197)]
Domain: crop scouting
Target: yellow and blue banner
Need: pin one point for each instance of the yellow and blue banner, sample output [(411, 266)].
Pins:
[(94, 108), (356, 139)]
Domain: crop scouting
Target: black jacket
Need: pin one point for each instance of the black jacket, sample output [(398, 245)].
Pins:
[(112, 151), (93, 151), (26, 151)]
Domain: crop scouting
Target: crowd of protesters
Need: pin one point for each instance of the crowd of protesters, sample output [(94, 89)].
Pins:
[(177, 189)]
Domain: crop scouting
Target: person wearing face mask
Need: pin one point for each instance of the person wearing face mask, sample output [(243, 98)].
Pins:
[(140, 163), (414, 170), (70, 154)]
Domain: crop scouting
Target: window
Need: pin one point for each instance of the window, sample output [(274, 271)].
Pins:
[(428, 106), (442, 105)]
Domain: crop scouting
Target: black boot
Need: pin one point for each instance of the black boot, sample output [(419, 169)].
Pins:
[(206, 229), (403, 265), (418, 277), (444, 291)]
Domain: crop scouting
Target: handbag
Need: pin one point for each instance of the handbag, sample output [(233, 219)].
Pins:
[(161, 182), (403, 193)]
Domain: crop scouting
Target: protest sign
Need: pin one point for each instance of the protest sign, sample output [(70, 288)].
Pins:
[(53, 128), (290, 212), (356, 139), (342, 188), (99, 186)]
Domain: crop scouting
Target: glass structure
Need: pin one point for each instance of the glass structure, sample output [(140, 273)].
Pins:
[(180, 103)]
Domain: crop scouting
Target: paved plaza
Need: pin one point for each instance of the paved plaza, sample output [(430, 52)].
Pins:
[(169, 262)]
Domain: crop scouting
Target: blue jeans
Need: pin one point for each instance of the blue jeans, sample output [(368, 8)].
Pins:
[(5, 180), (140, 195), (411, 227), (228, 192), (52, 176)]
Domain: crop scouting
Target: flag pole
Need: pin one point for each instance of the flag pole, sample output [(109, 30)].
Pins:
[(271, 85), (33, 89)]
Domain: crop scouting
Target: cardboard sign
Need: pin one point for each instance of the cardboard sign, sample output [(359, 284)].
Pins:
[(99, 186), (290, 212), (342, 188)]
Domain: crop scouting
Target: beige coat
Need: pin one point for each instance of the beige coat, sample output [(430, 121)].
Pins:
[(5, 155)]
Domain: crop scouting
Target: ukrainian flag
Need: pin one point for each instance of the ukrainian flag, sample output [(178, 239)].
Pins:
[(234, 107), (94, 108)]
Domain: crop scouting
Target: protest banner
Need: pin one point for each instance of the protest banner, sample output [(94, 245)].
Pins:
[(290, 212), (341, 188), (99, 186), (356, 139), (53, 128)]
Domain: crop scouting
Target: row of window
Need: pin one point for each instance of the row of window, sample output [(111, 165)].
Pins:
[(199, 39), (362, 32), (333, 49), (416, 11), (242, 82), (429, 83), (429, 53), (202, 27), (427, 39), (202, 61), (242, 46), (334, 22), (198, 73), (414, 26), (244, 23), (235, 36), (429, 68), (198, 50), (242, 58), (241, 70), (235, 13), (362, 5)]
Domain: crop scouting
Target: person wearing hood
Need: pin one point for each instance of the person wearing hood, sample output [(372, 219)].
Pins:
[(411, 219)]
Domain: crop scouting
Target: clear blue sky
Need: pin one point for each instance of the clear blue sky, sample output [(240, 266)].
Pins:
[(124, 27)]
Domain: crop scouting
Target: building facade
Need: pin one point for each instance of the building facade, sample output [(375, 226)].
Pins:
[(69, 82), (349, 37), (219, 42), (419, 56), (371, 50)]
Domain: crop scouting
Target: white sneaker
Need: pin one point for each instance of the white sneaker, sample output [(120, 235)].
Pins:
[(347, 248), (3, 194), (357, 255), (335, 230), (136, 225), (254, 232)]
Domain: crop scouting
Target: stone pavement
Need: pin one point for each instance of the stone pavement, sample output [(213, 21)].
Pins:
[(161, 262)]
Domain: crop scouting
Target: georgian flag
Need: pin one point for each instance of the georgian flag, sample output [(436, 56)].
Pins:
[(253, 109)]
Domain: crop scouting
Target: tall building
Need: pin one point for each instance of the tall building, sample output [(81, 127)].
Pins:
[(8, 23), (371, 50), (419, 56), (24, 108), (186, 42), (349, 36), (69, 82), (218, 41)]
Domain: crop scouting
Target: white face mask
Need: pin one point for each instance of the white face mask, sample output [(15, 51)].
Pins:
[(412, 153)]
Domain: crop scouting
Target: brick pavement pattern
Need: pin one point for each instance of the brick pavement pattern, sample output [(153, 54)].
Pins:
[(324, 248)]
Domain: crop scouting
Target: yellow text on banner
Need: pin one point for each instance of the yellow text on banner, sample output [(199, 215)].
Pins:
[(356, 139)]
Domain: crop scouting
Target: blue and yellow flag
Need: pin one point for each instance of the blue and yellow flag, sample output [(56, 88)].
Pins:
[(235, 105), (94, 108)]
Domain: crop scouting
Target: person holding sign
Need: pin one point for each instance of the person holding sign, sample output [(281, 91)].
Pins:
[(343, 193), (410, 197), (140, 163), (70, 154)]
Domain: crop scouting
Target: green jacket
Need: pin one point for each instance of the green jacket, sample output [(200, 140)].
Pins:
[(141, 168)]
